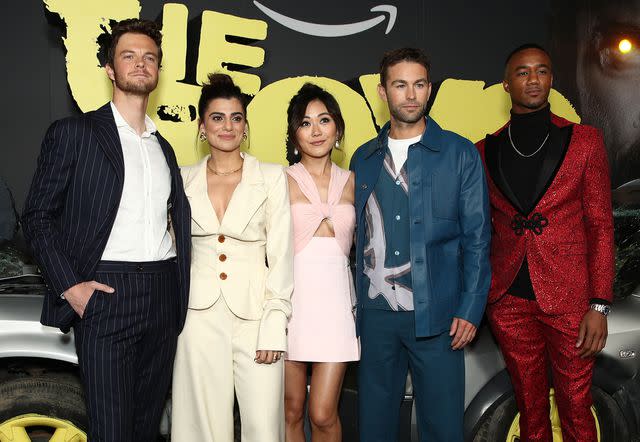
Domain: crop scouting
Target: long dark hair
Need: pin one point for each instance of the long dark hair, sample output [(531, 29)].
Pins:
[(297, 109)]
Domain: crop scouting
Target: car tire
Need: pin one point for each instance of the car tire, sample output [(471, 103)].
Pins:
[(56, 397), (613, 427)]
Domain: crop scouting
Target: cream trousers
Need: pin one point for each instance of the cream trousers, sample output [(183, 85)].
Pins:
[(215, 356)]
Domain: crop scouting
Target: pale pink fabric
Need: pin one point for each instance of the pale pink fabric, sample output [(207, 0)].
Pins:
[(322, 326), (307, 217)]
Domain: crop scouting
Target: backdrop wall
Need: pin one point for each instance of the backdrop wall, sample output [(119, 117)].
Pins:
[(52, 69)]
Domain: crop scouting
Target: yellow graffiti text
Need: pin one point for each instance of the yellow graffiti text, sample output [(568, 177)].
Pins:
[(463, 106)]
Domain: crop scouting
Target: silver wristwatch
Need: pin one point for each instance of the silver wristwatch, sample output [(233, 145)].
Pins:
[(601, 308)]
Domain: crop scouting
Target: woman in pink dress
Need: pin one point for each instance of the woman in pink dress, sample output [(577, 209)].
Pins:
[(321, 330)]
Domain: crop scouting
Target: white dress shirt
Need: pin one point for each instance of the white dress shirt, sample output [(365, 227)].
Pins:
[(140, 231)]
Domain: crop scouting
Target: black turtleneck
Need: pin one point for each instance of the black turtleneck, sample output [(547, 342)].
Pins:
[(528, 131)]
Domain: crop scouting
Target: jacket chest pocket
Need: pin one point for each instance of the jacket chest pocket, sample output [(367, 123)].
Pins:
[(445, 193)]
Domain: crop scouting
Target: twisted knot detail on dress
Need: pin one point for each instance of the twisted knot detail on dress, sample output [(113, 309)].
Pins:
[(536, 223), (308, 216), (323, 287)]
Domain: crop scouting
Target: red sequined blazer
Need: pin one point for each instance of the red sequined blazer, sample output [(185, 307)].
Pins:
[(567, 237)]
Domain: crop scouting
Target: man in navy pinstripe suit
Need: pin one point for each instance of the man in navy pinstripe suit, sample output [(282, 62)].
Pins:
[(105, 195)]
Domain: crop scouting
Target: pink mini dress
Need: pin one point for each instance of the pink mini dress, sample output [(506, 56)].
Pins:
[(322, 326)]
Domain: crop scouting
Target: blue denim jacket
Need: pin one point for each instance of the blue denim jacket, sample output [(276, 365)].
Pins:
[(450, 225)]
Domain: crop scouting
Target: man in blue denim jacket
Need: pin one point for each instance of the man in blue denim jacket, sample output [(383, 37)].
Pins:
[(422, 259)]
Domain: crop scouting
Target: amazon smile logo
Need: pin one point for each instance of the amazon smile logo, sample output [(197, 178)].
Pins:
[(320, 30)]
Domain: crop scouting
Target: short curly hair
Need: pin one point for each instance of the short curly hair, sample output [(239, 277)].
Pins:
[(134, 26)]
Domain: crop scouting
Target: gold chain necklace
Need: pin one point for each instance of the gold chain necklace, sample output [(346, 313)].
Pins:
[(215, 172)]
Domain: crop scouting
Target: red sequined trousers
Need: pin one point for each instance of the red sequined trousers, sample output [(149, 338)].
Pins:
[(531, 341)]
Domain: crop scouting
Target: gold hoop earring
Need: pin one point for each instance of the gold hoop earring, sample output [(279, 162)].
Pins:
[(244, 136)]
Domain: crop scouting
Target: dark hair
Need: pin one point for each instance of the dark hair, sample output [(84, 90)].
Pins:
[(220, 86), (134, 26), (297, 110), (396, 56), (523, 48)]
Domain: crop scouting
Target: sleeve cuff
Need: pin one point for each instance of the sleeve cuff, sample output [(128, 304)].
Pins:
[(599, 301), (272, 333), (472, 308)]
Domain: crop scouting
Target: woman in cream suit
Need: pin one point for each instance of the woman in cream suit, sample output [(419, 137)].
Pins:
[(241, 283)]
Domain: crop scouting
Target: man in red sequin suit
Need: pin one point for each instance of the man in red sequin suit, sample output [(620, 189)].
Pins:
[(552, 251)]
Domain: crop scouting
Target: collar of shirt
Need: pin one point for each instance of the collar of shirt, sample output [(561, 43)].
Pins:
[(402, 144), (150, 126), (432, 138), (398, 151)]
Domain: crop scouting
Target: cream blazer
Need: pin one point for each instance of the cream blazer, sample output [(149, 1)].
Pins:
[(248, 257)]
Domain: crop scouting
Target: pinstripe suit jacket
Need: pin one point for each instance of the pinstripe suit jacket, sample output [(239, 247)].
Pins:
[(72, 204)]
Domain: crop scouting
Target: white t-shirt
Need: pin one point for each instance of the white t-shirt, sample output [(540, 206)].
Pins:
[(399, 150)]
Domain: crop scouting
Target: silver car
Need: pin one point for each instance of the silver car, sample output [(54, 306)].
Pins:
[(41, 397)]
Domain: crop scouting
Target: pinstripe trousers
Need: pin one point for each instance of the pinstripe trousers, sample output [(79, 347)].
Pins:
[(126, 343)]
